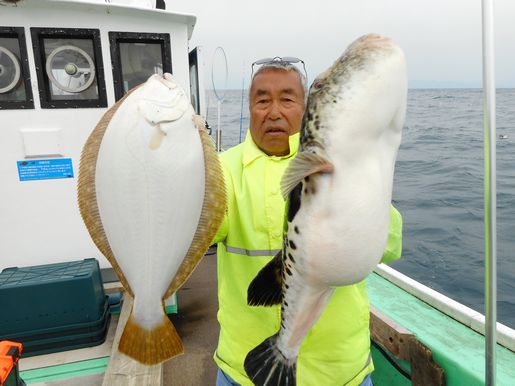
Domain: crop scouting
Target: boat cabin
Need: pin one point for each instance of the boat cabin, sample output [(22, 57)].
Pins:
[(62, 65)]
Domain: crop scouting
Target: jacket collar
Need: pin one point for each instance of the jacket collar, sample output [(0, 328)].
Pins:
[(251, 152)]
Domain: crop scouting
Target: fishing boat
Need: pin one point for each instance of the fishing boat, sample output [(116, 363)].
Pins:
[(62, 65)]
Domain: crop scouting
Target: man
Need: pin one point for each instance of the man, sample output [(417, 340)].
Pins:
[(336, 351)]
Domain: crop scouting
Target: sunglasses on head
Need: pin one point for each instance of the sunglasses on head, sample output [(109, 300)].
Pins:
[(280, 61)]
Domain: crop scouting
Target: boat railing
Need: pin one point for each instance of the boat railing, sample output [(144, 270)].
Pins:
[(446, 305)]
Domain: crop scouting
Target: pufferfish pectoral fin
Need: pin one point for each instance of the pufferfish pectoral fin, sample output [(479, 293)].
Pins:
[(303, 165), (266, 288)]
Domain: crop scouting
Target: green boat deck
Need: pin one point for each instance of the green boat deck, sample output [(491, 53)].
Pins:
[(456, 348), (459, 350)]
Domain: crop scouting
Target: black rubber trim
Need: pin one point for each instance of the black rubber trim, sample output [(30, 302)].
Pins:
[(392, 361)]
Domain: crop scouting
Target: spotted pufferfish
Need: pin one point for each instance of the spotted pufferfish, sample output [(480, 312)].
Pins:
[(339, 188)]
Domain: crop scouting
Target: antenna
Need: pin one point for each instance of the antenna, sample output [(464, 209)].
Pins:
[(242, 92), (219, 87)]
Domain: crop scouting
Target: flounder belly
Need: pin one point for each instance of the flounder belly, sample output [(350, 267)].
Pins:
[(150, 203)]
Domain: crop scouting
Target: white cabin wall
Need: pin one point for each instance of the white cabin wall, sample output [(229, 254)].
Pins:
[(40, 221)]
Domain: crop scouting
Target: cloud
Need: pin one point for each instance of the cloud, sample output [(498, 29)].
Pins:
[(441, 38)]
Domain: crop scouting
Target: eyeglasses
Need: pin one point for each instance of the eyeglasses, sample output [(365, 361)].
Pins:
[(281, 61)]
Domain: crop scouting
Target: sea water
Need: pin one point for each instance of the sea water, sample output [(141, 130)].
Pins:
[(438, 189)]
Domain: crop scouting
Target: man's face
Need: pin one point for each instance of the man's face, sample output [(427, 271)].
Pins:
[(276, 107)]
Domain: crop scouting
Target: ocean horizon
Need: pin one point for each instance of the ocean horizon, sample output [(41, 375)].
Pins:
[(438, 188)]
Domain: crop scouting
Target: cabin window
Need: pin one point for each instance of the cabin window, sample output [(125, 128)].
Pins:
[(196, 81), (137, 56), (69, 67), (15, 88)]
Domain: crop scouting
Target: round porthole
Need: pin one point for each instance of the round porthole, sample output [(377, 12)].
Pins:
[(70, 69), (10, 71)]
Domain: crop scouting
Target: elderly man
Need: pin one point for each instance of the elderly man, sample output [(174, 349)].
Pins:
[(337, 349)]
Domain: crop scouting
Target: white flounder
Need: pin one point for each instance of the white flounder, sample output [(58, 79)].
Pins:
[(340, 189), (152, 196)]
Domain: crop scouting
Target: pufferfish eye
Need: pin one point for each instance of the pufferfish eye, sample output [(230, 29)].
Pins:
[(317, 85)]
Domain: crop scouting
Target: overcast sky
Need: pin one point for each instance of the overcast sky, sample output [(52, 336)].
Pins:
[(441, 38)]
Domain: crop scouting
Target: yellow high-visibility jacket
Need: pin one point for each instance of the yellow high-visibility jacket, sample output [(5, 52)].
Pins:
[(336, 351)]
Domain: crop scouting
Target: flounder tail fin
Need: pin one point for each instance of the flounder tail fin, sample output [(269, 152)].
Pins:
[(266, 288), (265, 365), (150, 347)]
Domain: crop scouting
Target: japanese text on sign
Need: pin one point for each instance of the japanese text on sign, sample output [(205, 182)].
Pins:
[(45, 169)]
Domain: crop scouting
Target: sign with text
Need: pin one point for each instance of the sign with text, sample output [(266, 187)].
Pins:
[(46, 169)]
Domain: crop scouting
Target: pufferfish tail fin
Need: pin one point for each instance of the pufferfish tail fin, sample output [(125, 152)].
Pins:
[(266, 366)]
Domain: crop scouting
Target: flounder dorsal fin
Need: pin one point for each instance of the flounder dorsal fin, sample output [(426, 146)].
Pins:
[(86, 190), (213, 210), (266, 288), (303, 165)]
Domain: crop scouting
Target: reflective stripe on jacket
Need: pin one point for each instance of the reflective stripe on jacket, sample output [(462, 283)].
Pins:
[(336, 351)]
